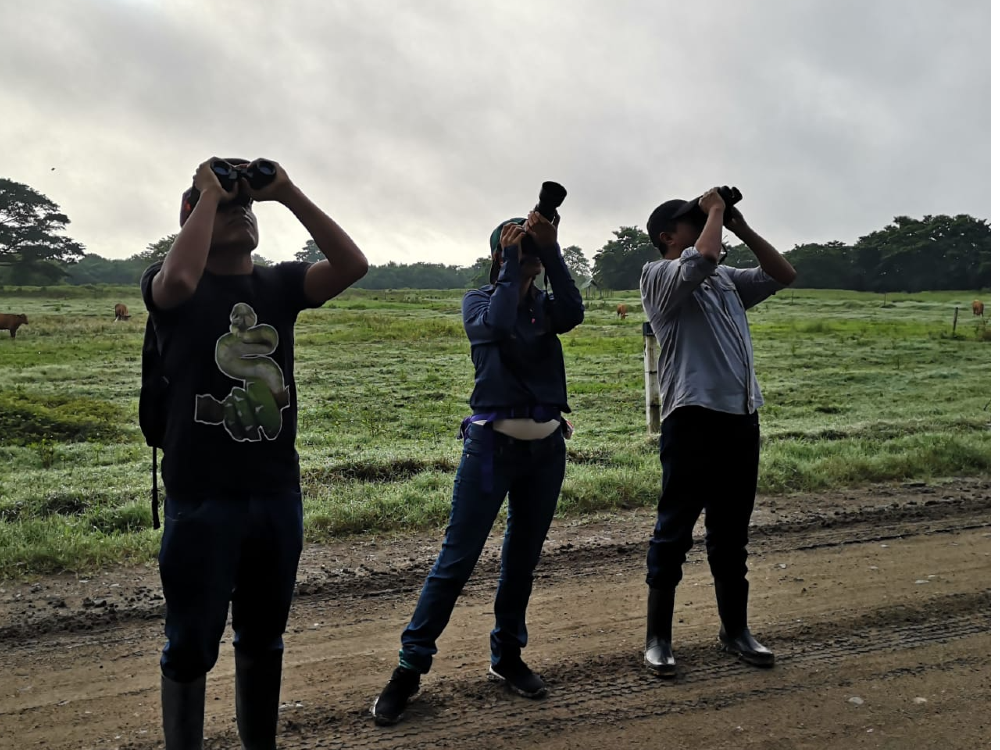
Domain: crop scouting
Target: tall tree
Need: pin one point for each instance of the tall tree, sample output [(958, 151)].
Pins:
[(260, 260), (31, 238), (619, 263), (155, 251), (310, 253), (577, 263)]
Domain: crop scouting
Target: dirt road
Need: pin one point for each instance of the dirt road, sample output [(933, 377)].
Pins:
[(876, 603)]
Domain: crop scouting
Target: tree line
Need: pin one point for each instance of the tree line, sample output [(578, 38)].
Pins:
[(908, 255)]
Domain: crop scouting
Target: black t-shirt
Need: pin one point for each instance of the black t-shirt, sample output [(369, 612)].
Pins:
[(228, 354)]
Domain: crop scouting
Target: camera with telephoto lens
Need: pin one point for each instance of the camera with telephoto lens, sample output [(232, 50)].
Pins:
[(550, 197)]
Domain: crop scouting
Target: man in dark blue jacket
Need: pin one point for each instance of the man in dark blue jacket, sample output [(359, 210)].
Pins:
[(514, 446)]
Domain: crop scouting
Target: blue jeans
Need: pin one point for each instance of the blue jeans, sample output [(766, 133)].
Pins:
[(531, 472), (217, 549), (709, 462)]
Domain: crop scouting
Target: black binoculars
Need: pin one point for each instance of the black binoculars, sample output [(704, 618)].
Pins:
[(259, 174), (730, 196)]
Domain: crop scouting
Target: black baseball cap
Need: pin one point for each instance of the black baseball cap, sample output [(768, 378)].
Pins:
[(667, 213)]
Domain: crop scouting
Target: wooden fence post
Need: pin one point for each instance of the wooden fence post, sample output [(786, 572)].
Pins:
[(652, 380), (954, 322)]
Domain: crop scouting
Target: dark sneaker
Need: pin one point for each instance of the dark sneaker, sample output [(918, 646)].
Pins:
[(402, 687), (519, 678)]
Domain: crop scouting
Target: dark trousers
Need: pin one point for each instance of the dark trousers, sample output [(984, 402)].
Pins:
[(221, 549), (531, 472), (709, 462)]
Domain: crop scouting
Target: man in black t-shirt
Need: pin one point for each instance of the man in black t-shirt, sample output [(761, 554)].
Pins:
[(233, 530)]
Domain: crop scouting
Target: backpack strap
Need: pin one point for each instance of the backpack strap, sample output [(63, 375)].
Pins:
[(155, 499)]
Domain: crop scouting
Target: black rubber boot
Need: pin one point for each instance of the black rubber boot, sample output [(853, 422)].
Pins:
[(659, 656), (183, 705), (735, 636), (258, 689)]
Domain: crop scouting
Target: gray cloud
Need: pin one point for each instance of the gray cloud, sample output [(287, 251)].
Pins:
[(419, 126)]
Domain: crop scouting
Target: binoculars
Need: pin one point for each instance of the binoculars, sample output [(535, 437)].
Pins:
[(259, 174), (730, 196)]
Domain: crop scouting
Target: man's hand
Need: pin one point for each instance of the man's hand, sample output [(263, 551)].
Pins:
[(184, 264), (736, 223), (710, 201), (280, 189), (511, 236), (542, 231), (208, 185), (709, 242)]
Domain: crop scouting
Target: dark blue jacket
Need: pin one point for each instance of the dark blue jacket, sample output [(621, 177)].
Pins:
[(515, 344)]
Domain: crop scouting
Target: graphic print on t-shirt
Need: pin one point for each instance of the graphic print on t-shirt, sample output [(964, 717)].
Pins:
[(253, 409)]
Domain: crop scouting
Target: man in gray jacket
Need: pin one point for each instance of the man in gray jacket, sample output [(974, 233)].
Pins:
[(710, 436)]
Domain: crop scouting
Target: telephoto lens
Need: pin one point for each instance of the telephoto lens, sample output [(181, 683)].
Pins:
[(550, 197)]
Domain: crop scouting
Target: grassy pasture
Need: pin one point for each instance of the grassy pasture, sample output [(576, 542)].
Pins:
[(859, 388)]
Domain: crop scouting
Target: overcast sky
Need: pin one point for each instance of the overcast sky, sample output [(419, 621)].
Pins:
[(420, 125)]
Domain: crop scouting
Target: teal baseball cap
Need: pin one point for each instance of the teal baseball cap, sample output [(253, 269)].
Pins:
[(495, 247)]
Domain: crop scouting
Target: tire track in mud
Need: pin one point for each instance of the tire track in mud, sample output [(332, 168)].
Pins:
[(473, 712), (564, 562)]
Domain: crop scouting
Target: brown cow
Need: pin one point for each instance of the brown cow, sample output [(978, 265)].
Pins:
[(121, 312), (622, 312), (9, 322), (977, 308)]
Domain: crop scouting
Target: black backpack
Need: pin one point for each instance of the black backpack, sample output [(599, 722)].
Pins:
[(153, 404)]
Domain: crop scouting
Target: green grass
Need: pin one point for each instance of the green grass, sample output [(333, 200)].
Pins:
[(858, 389)]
